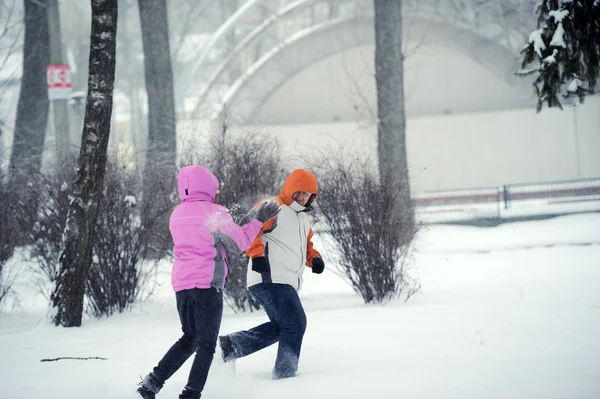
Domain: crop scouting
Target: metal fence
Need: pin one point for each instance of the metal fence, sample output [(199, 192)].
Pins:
[(511, 201)]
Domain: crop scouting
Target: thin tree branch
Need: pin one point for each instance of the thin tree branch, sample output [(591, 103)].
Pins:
[(73, 358)]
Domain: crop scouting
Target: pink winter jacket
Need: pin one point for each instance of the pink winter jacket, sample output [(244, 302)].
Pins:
[(201, 229)]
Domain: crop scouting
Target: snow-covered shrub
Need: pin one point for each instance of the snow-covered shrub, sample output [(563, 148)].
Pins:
[(370, 226), (125, 229), (5, 286), (7, 221), (249, 169), (47, 215), (158, 197), (20, 197), (7, 234)]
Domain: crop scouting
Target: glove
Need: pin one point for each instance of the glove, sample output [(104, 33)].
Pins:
[(260, 264), (248, 217), (317, 265), (268, 210)]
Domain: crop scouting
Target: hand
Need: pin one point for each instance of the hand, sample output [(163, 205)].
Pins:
[(268, 210), (317, 265), (248, 217), (260, 264)]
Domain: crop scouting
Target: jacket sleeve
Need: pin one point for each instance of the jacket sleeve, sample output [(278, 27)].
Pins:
[(237, 238), (257, 248), (311, 252)]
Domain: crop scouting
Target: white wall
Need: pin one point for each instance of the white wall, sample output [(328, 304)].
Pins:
[(438, 80), (468, 150)]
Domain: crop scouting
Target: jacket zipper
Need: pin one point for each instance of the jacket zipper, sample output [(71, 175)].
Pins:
[(301, 253)]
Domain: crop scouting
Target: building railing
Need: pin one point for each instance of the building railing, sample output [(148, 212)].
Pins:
[(511, 201)]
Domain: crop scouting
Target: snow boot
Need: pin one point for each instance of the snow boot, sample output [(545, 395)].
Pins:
[(189, 393), (149, 387), (227, 351)]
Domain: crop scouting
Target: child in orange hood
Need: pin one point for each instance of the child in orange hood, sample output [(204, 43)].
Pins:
[(278, 257)]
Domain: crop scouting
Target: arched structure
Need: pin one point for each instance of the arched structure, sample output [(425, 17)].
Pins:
[(487, 32), (247, 95)]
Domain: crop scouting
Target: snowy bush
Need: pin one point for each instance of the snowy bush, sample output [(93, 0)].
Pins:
[(249, 169), (370, 226), (7, 223), (47, 216), (158, 198), (123, 232), (5, 286), (20, 196), (7, 234)]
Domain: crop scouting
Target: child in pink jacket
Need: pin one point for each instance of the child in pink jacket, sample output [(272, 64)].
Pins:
[(201, 230)]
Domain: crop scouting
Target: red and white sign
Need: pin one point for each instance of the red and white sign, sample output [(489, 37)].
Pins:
[(59, 82)]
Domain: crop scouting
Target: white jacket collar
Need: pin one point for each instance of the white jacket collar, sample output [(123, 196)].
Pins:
[(297, 207)]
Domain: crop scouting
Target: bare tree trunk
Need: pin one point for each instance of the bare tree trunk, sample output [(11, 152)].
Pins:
[(389, 77), (32, 109), (159, 83), (76, 251), (161, 151)]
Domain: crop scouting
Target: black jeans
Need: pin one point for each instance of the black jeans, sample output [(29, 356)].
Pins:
[(286, 325), (200, 312)]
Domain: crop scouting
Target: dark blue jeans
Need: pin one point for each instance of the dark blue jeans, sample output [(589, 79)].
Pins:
[(200, 312), (287, 324)]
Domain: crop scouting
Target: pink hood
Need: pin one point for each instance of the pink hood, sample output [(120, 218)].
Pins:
[(197, 183)]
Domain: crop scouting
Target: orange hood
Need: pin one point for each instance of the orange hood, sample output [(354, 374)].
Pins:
[(299, 180)]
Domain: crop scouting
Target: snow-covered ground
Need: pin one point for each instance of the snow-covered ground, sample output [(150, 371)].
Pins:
[(506, 312)]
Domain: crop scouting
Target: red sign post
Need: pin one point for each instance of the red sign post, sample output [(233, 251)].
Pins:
[(59, 81)]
